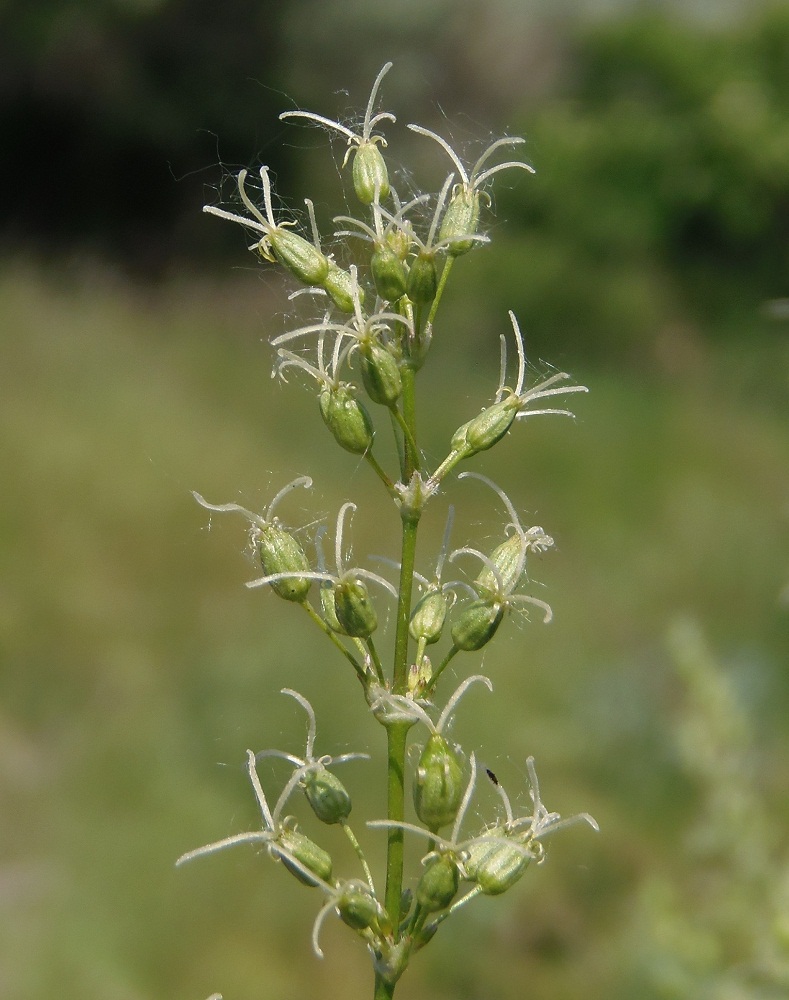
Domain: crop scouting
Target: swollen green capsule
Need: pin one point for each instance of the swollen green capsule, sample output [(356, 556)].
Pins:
[(280, 553), (494, 865), (422, 278), (380, 374), (346, 418), (308, 855), (339, 286), (300, 257), (354, 609), (327, 795), (438, 784), (369, 173), (476, 625), (388, 273), (438, 885), (460, 219), (427, 620)]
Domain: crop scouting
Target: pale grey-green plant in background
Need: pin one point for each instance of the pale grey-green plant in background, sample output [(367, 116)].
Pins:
[(361, 356)]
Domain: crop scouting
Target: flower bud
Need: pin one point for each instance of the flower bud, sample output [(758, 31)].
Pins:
[(427, 621), (370, 173), (328, 606), (308, 855), (476, 625), (327, 795), (281, 553), (357, 909), (347, 419), (438, 784), (388, 273), (438, 885), (399, 242), (339, 286), (460, 219), (508, 560), (380, 374), (354, 609), (495, 866), (300, 257), (487, 428), (422, 278)]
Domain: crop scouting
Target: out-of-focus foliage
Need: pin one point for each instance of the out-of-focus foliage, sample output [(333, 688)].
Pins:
[(109, 109), (661, 202)]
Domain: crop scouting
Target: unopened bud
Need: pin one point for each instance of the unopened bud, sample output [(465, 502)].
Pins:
[(476, 625), (460, 219), (357, 909), (380, 374), (438, 784), (347, 419), (427, 621), (438, 885), (508, 561), (281, 553), (422, 278), (309, 856), (388, 273), (369, 173), (304, 260), (495, 866), (354, 609), (338, 284), (327, 795)]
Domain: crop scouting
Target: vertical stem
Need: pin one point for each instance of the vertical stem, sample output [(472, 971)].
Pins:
[(409, 417), (383, 990)]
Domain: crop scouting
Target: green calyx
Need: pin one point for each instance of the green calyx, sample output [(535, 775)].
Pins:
[(300, 257), (327, 795), (494, 865), (354, 609), (461, 219), (438, 784), (280, 553), (346, 418), (358, 910), (508, 559), (422, 282), (380, 373), (438, 885), (370, 176), (307, 854), (427, 620), (388, 273), (476, 625), (486, 429), (339, 286)]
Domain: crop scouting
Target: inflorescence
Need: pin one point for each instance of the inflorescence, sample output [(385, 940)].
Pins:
[(361, 356)]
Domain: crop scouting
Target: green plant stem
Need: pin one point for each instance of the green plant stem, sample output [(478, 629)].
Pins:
[(383, 990), (379, 669), (335, 639), (440, 290), (380, 472), (405, 424), (440, 668), (359, 853)]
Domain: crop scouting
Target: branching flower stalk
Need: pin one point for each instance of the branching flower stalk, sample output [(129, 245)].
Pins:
[(377, 321)]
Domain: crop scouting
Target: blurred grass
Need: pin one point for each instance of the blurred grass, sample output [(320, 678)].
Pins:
[(134, 661)]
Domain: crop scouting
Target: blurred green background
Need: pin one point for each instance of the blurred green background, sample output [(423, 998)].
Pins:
[(648, 256)]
